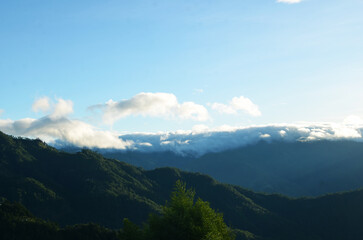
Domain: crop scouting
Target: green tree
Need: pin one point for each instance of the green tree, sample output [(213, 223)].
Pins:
[(131, 231), (185, 219)]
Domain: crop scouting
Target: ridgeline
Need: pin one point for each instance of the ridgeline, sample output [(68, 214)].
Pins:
[(85, 187)]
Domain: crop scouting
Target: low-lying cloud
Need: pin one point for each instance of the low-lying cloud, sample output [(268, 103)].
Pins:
[(238, 104), (163, 105), (201, 141), (57, 127)]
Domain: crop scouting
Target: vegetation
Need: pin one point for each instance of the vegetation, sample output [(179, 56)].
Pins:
[(291, 168), (184, 219), (181, 219), (84, 187)]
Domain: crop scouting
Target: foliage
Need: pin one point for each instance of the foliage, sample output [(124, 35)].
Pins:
[(89, 231), (309, 168), (131, 231), (85, 187), (181, 219), (184, 219), (16, 222)]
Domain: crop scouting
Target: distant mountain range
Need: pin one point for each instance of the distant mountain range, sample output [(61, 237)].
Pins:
[(291, 168), (87, 187)]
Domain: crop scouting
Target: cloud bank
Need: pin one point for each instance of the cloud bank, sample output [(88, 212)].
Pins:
[(62, 131), (238, 104), (202, 140), (57, 127), (163, 105)]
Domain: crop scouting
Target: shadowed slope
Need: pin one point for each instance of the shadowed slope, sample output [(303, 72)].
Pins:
[(86, 187)]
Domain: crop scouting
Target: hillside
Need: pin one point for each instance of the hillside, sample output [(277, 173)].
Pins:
[(290, 168), (86, 187)]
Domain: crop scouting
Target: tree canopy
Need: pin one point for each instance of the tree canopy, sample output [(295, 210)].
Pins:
[(183, 218)]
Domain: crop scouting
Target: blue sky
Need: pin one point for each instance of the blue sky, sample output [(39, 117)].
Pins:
[(280, 62)]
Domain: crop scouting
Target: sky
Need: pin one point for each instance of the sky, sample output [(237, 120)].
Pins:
[(117, 67)]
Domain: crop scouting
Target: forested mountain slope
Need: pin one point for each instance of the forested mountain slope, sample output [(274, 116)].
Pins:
[(86, 187), (291, 168)]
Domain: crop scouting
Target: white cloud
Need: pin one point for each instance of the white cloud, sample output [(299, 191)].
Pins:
[(353, 120), (289, 1), (202, 139), (57, 127), (41, 104), (1, 111), (346, 132), (190, 110), (200, 128), (238, 104), (282, 133), (62, 108), (265, 135), (163, 105), (59, 109), (223, 108), (68, 131), (198, 141)]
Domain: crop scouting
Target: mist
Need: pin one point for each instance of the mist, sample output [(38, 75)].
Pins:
[(200, 142)]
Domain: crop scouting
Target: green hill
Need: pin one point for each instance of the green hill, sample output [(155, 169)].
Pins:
[(295, 169), (86, 187)]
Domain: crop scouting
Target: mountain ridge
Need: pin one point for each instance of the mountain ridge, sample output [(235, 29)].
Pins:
[(86, 187), (291, 168)]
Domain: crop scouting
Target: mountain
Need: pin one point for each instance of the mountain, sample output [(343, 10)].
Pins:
[(291, 168), (86, 187), (16, 222)]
